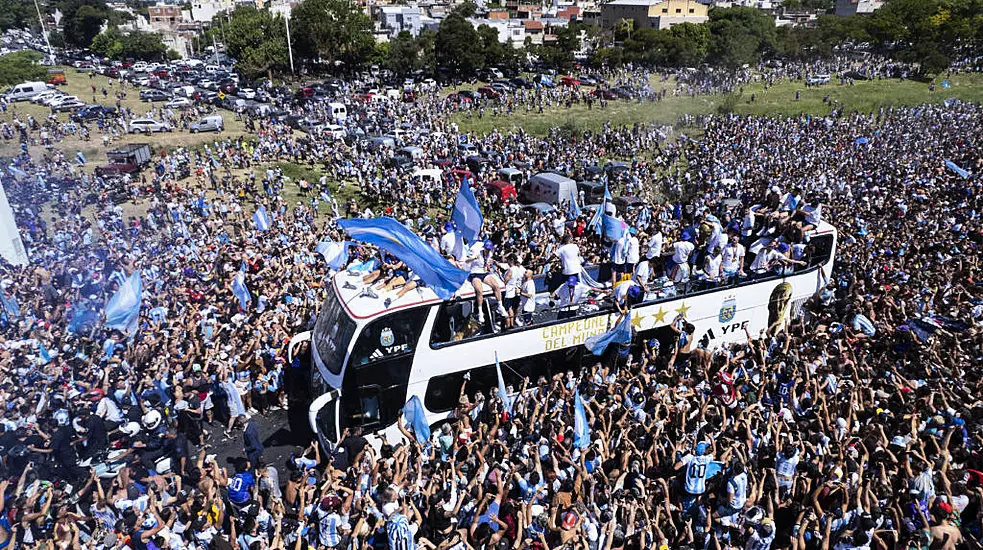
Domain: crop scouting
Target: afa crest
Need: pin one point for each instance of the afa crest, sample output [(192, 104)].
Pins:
[(386, 338), (728, 310)]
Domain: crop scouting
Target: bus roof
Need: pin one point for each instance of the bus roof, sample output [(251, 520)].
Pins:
[(361, 305)]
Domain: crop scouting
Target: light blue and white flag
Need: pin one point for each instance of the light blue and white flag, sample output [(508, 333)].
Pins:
[(261, 219), (416, 417), (240, 290), (123, 309), (335, 254), (467, 213), (506, 399), (955, 168), (433, 269), (619, 334), (581, 429)]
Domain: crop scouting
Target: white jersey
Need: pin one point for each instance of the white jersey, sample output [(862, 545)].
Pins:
[(737, 487), (786, 466), (655, 246), (570, 259), (696, 473), (515, 276), (731, 257)]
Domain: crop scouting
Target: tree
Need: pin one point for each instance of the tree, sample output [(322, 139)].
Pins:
[(492, 50), (332, 31), (456, 46), (740, 36), (108, 44), (138, 45), (404, 54), (687, 44), (257, 39), (20, 67), (82, 20), (17, 14)]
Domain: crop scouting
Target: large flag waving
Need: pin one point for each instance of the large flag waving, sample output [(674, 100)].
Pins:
[(581, 430), (261, 219), (506, 400), (335, 254), (467, 214), (416, 417), (957, 169), (123, 309), (619, 334), (240, 290), (433, 269)]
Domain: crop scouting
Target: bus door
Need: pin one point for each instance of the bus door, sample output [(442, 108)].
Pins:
[(297, 383), (324, 418)]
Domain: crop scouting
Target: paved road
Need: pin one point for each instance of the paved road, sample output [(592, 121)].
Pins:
[(278, 441)]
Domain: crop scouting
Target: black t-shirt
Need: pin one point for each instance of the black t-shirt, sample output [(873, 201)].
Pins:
[(61, 444), (348, 449), (96, 428)]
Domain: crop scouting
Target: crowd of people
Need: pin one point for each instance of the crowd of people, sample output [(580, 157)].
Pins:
[(856, 426)]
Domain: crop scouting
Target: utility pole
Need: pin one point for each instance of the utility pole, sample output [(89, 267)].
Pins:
[(44, 33), (290, 49)]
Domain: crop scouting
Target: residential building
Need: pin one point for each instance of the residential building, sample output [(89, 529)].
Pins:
[(396, 19), (658, 14), (163, 16), (855, 7)]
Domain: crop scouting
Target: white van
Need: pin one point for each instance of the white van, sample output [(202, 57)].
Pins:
[(431, 176), (337, 111), (334, 131), (25, 91), (210, 123), (549, 188)]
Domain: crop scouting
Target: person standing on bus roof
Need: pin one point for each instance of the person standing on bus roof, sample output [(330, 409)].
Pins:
[(528, 293), (451, 243), (570, 259), (479, 262), (514, 276)]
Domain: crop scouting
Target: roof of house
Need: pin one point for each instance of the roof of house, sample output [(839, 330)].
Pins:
[(632, 3), (533, 25)]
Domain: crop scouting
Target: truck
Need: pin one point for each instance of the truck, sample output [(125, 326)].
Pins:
[(128, 159)]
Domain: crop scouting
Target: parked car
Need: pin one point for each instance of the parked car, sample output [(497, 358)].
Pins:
[(68, 105), (93, 112), (153, 95), (604, 94), (569, 81), (127, 159), (179, 103), (148, 125), (489, 92)]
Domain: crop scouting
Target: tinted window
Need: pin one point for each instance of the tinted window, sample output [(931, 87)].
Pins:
[(332, 333), (389, 336), (443, 392), (821, 247), (456, 321)]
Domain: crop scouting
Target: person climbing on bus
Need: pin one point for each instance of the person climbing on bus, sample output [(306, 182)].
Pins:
[(626, 294), (480, 262)]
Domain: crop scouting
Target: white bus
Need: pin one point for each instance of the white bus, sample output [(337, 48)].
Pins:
[(366, 360)]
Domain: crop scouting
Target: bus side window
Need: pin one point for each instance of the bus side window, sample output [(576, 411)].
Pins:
[(821, 248), (443, 392), (455, 322)]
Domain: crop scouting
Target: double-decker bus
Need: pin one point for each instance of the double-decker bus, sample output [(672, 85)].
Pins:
[(364, 358)]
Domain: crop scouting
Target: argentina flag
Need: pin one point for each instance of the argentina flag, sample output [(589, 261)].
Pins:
[(261, 219), (467, 214), (433, 269)]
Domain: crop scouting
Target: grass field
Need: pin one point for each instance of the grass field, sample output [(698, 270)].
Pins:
[(80, 85), (778, 100)]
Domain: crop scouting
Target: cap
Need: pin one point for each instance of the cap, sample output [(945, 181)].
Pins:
[(783, 247), (572, 280), (489, 245), (448, 226), (701, 448)]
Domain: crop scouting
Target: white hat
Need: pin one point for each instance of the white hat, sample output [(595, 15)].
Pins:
[(389, 509), (130, 428)]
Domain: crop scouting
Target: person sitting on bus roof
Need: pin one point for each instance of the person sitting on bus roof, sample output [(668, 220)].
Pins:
[(479, 261)]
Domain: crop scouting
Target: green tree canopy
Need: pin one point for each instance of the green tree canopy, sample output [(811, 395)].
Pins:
[(82, 20), (330, 31), (456, 46), (740, 36), (139, 45), (257, 39), (20, 67)]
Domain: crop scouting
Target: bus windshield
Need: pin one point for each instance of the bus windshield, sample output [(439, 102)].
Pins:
[(332, 333)]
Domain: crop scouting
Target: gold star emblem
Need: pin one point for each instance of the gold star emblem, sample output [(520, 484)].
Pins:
[(683, 309), (659, 316), (636, 320)]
